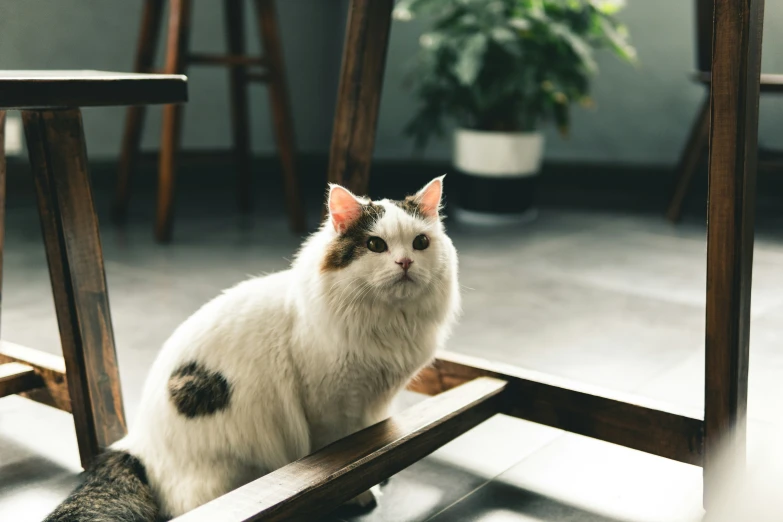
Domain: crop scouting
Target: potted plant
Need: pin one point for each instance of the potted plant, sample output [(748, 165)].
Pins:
[(500, 69)]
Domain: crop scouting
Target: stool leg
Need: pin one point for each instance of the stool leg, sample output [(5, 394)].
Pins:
[(694, 151), (736, 65), (58, 158), (359, 95), (281, 111), (2, 198), (171, 133), (134, 119), (240, 124)]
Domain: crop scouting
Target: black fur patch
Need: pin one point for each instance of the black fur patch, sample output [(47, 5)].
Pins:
[(196, 391), (352, 244), (115, 489), (409, 205)]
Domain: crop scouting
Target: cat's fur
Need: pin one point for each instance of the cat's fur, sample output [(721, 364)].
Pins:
[(282, 365)]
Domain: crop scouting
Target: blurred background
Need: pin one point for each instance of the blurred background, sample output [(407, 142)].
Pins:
[(641, 119), (598, 288)]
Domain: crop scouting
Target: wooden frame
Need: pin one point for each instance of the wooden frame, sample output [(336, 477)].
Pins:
[(467, 390), (696, 147), (91, 393), (85, 380), (734, 112)]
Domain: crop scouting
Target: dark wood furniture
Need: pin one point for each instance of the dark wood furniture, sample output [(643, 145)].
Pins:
[(85, 380), (269, 70), (467, 390), (695, 151)]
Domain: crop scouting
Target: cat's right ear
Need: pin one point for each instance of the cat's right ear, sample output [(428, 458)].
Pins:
[(344, 208)]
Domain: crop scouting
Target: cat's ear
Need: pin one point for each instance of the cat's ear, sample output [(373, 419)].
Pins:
[(429, 198), (344, 208)]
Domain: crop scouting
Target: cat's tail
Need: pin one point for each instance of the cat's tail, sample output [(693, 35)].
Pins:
[(115, 489)]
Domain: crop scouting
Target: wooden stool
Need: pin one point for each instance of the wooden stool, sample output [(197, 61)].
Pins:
[(468, 390), (178, 58), (85, 381)]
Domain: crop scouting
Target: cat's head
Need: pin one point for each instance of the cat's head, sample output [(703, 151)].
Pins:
[(387, 250)]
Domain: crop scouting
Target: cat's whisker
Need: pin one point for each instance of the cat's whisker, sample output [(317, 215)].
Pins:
[(343, 305), (347, 287)]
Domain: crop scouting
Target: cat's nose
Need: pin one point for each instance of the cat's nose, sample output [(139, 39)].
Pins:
[(405, 263)]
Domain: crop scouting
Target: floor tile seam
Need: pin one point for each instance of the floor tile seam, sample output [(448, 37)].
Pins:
[(497, 475)]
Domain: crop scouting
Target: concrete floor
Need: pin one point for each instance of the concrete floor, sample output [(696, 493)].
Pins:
[(609, 300)]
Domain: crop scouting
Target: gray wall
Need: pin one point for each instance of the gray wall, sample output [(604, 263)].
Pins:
[(642, 114), (101, 34)]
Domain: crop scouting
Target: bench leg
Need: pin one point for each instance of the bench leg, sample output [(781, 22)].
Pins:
[(240, 122), (134, 119), (281, 112), (733, 135), (359, 95), (2, 198), (171, 133), (691, 157), (58, 157)]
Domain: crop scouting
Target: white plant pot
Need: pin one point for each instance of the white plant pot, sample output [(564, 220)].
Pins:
[(497, 174)]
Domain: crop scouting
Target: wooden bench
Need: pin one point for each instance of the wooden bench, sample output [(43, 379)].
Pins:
[(85, 380)]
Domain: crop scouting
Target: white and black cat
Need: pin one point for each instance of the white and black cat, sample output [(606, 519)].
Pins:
[(282, 365)]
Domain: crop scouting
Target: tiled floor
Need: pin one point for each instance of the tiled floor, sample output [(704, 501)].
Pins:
[(606, 299)]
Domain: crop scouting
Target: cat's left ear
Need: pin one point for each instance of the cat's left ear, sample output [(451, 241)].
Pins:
[(430, 197), (344, 208)]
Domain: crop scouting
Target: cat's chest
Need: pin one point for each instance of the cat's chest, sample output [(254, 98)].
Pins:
[(366, 369)]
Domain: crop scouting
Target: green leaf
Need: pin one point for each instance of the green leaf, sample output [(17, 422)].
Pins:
[(507, 39), (618, 39), (406, 10), (503, 35), (580, 47), (470, 60), (608, 7), (520, 24)]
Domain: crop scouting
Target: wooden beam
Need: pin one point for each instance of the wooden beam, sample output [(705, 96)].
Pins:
[(623, 419), (17, 377), (282, 117), (50, 369), (313, 486), (359, 95), (734, 106), (2, 198), (58, 160)]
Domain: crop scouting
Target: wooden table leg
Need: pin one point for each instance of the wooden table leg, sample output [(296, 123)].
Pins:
[(171, 133), (58, 157), (731, 207), (134, 119), (359, 95), (2, 198), (240, 122)]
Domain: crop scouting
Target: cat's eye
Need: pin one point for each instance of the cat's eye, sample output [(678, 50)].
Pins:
[(376, 244), (421, 242)]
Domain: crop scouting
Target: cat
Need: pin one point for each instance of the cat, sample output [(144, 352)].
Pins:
[(281, 365)]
